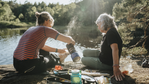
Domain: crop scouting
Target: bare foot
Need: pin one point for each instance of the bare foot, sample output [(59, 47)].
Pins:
[(63, 56)]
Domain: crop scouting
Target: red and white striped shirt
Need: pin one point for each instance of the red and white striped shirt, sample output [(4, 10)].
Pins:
[(33, 40)]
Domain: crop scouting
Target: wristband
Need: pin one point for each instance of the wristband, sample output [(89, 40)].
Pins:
[(56, 50), (116, 65)]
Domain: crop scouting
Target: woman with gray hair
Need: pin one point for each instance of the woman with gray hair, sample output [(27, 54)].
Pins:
[(27, 55), (111, 46)]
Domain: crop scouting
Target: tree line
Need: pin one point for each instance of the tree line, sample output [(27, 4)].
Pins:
[(87, 11)]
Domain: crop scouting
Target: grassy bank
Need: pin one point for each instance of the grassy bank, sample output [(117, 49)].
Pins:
[(136, 51), (12, 24)]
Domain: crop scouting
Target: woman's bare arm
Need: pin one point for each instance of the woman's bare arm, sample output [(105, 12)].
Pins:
[(50, 49), (116, 71), (66, 39)]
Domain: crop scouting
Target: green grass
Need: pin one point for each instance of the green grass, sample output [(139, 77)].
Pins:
[(12, 24), (134, 51)]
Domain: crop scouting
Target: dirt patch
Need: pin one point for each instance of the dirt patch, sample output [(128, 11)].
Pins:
[(138, 76)]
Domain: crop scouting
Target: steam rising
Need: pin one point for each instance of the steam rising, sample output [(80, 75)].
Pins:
[(72, 25)]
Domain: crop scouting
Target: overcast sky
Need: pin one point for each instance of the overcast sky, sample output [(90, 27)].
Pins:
[(46, 1)]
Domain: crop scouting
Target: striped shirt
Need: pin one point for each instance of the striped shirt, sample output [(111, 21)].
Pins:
[(33, 40)]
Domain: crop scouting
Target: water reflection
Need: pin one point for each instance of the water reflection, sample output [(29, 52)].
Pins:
[(8, 33), (85, 37), (9, 39)]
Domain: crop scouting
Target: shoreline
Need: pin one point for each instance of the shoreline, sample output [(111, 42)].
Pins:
[(138, 75)]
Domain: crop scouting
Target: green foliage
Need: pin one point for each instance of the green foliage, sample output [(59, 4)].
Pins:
[(133, 22), (5, 12), (89, 10), (17, 20), (131, 15), (21, 16), (30, 14), (2, 12), (86, 11), (134, 51), (13, 24)]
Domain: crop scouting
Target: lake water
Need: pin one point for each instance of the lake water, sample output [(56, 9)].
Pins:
[(9, 39)]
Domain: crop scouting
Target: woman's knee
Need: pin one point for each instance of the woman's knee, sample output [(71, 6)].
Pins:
[(84, 52), (91, 53), (87, 52), (84, 60)]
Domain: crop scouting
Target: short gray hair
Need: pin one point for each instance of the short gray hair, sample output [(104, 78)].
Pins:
[(106, 20), (41, 17)]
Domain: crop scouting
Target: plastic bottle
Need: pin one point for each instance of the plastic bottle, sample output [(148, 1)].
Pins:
[(126, 69), (76, 77), (103, 80), (74, 55)]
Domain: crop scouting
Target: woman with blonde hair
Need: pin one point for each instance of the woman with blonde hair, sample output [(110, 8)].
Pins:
[(27, 55)]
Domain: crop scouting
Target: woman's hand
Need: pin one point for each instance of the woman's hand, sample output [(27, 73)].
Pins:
[(71, 40), (117, 74), (61, 50)]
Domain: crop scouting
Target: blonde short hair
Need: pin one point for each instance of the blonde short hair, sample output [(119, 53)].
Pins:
[(106, 20), (41, 17)]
